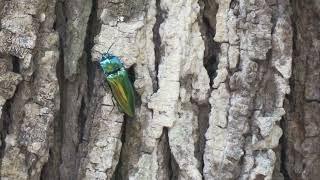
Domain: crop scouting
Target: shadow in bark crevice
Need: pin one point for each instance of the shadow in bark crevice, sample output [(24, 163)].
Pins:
[(283, 154), (158, 48), (5, 124), (6, 115), (93, 29), (203, 124), (173, 167), (292, 104), (207, 28), (132, 78), (117, 175), (50, 170), (207, 23), (15, 64)]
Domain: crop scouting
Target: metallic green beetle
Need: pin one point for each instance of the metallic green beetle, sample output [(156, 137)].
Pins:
[(119, 83)]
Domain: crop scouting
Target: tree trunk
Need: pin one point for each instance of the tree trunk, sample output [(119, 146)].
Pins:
[(225, 89)]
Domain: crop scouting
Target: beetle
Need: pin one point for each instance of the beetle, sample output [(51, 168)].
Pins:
[(118, 80)]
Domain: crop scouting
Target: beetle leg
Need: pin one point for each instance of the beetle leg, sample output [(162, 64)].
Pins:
[(115, 104), (103, 84), (112, 106), (105, 88)]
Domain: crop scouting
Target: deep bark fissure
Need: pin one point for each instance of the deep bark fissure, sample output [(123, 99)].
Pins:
[(6, 114), (207, 31), (172, 164), (210, 63), (117, 174), (44, 173), (158, 48), (86, 108), (203, 124), (55, 159), (72, 126), (92, 31), (293, 154), (82, 121), (283, 142), (6, 121), (174, 168), (75, 95), (168, 152), (51, 168), (283, 155)]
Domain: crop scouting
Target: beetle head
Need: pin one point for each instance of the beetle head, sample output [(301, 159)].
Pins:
[(110, 63)]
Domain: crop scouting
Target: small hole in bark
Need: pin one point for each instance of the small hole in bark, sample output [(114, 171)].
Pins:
[(15, 65), (82, 120)]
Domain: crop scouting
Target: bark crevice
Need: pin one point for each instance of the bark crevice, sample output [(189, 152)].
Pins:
[(51, 169), (92, 31), (117, 174), (5, 124), (283, 155), (158, 48), (207, 23)]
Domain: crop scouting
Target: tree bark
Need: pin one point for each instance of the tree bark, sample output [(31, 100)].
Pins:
[(225, 89)]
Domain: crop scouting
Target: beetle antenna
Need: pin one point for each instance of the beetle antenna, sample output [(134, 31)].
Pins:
[(111, 47)]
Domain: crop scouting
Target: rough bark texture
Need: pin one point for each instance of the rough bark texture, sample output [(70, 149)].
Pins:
[(225, 89)]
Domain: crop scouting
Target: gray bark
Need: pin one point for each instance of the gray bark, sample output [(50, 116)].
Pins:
[(225, 89)]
